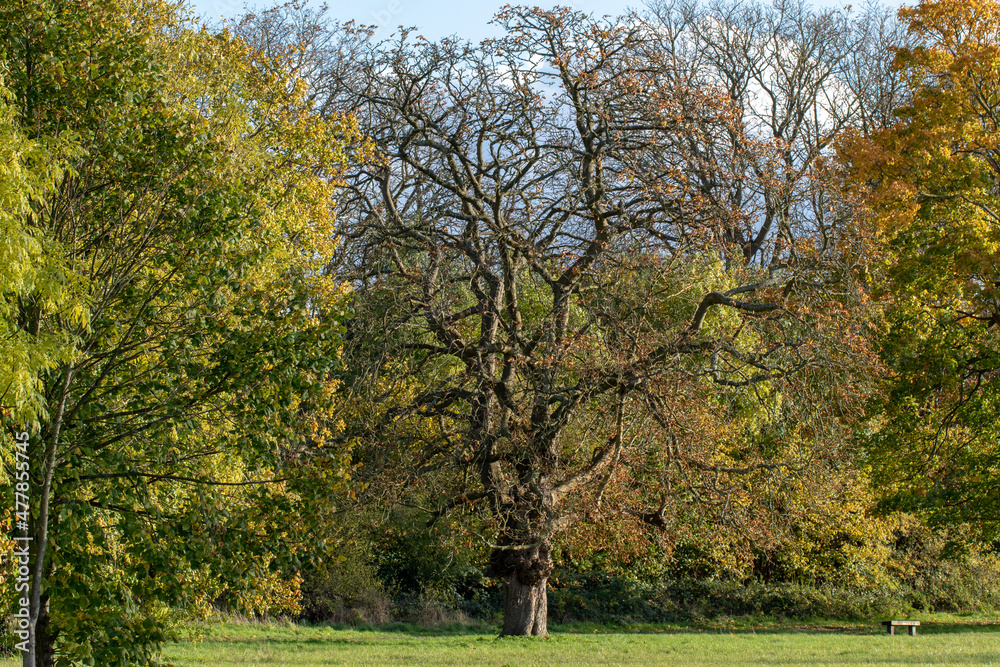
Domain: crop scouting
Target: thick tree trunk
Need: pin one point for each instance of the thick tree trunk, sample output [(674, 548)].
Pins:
[(527, 570), (525, 607)]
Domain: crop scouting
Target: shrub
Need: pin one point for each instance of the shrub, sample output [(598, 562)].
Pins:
[(344, 589)]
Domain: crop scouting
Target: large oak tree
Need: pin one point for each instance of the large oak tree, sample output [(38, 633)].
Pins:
[(557, 260)]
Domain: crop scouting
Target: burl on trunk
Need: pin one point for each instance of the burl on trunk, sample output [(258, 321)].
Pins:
[(526, 570)]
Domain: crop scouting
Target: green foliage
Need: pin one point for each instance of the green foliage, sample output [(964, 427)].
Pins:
[(192, 222), (603, 599), (342, 586), (843, 565), (344, 589), (931, 184), (29, 269), (906, 567), (419, 565), (945, 570), (397, 569)]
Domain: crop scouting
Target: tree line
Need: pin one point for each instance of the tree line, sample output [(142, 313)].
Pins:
[(266, 280)]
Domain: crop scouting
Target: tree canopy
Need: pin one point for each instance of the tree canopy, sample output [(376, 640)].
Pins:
[(933, 195), (720, 272), (190, 223)]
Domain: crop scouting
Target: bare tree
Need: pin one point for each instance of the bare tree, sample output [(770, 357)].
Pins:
[(878, 88), (797, 79)]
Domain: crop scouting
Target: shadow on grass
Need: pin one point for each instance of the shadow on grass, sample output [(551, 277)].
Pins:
[(792, 627), (373, 633)]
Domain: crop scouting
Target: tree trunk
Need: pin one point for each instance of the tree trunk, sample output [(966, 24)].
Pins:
[(526, 569), (45, 638), (41, 648), (525, 607)]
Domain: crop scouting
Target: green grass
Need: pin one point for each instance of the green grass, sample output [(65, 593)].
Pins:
[(948, 642), (939, 642)]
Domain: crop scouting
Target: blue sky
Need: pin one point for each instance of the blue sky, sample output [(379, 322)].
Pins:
[(437, 18)]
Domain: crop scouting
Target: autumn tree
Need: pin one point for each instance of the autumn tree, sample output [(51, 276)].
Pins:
[(797, 78), (191, 218), (549, 274), (931, 185)]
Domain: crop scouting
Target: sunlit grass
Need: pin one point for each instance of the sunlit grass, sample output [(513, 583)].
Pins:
[(835, 644), (941, 640)]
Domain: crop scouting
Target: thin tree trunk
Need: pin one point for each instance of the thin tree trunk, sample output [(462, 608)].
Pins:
[(45, 637), (525, 607), (39, 654)]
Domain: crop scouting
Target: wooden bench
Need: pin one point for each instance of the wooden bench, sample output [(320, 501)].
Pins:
[(892, 625)]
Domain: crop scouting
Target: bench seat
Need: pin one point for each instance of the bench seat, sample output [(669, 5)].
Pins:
[(910, 625)]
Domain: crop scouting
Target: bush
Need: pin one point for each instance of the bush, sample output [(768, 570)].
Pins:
[(946, 569), (345, 590), (898, 566), (600, 599), (7, 637), (425, 571), (399, 571), (864, 568)]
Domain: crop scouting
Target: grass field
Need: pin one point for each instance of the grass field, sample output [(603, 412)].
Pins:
[(937, 643)]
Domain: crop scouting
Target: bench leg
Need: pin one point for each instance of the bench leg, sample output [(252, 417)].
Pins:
[(913, 631), (891, 629)]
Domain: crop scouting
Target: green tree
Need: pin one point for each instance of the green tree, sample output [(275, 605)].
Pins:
[(193, 223), (29, 172), (931, 182)]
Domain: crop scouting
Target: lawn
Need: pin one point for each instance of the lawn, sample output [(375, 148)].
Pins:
[(937, 643)]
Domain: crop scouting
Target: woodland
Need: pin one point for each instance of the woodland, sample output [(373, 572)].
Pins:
[(691, 312)]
